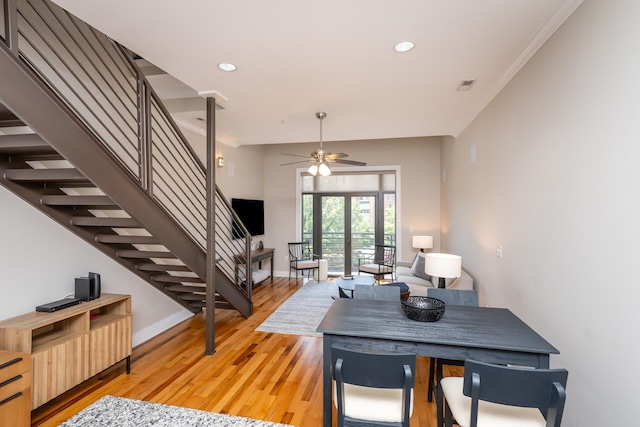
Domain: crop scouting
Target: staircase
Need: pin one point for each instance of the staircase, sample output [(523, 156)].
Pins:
[(87, 141)]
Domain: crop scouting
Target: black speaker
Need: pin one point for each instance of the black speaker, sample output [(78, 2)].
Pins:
[(94, 285), (83, 289)]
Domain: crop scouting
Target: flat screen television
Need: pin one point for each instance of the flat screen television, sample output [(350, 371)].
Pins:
[(251, 213)]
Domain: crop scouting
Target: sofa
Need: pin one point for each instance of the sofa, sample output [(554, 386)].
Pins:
[(412, 273)]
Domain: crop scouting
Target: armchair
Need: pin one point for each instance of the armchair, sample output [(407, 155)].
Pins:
[(301, 258), (381, 263)]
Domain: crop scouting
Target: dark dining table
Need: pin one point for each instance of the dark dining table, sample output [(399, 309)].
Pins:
[(493, 335)]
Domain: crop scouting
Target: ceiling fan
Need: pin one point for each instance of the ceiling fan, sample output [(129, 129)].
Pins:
[(319, 159)]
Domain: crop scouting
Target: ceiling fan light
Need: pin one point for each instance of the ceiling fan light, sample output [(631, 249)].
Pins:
[(324, 169), (313, 169)]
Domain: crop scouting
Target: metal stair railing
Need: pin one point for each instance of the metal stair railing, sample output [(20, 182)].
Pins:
[(100, 82)]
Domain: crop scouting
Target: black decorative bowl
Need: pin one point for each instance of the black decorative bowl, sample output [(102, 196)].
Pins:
[(423, 309)]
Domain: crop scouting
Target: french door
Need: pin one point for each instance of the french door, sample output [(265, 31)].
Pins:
[(344, 227)]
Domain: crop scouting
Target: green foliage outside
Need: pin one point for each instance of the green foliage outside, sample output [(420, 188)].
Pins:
[(333, 226)]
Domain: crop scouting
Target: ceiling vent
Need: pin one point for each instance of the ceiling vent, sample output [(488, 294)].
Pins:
[(465, 85)]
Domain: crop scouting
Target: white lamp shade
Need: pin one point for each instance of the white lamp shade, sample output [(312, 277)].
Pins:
[(313, 170), (324, 170), (443, 265), (422, 242)]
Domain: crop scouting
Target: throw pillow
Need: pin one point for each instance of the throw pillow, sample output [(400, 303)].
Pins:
[(415, 259), (417, 268)]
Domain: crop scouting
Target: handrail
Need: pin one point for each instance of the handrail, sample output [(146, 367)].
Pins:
[(102, 85)]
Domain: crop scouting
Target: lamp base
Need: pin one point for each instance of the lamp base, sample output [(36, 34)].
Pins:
[(441, 284)]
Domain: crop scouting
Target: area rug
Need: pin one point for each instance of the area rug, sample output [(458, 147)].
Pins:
[(120, 412), (302, 313)]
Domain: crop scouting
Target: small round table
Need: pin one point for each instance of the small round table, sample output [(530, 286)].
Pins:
[(347, 286)]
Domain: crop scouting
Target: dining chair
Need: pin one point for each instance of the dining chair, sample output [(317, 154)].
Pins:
[(450, 297), (373, 388), (378, 293), (381, 263), (497, 395), (302, 258)]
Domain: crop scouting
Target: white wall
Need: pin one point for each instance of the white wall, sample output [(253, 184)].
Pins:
[(39, 260), (556, 183)]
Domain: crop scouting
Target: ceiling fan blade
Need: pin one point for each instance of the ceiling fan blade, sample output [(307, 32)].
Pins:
[(350, 162), (333, 156), (301, 161), (295, 155)]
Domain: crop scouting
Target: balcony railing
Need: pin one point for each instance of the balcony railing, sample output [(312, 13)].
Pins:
[(333, 248)]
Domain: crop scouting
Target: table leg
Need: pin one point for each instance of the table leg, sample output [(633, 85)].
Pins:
[(271, 264), (326, 381)]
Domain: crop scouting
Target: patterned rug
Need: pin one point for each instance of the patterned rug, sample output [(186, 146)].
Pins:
[(302, 313), (117, 411)]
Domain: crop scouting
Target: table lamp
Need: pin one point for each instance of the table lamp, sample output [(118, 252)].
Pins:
[(422, 242), (443, 266)]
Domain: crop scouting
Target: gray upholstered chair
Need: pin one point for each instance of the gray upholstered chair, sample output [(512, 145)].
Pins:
[(371, 388), (503, 396), (378, 293), (302, 258), (381, 263)]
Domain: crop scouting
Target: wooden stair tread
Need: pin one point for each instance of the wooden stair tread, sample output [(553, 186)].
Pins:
[(150, 266), (185, 288), (131, 240), (176, 279), (24, 144), (93, 221), (192, 297), (144, 254), (37, 175), (65, 200)]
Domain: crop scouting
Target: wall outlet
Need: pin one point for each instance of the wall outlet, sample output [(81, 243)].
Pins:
[(499, 251)]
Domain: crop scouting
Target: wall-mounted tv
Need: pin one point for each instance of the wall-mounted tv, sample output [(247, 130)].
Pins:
[(251, 213)]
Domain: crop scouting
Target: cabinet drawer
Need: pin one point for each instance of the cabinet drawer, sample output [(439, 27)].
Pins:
[(11, 367), (15, 384), (16, 412)]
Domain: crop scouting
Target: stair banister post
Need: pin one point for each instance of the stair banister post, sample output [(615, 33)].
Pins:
[(211, 236), (144, 135)]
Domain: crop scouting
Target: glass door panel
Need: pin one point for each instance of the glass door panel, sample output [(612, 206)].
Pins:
[(363, 228), (389, 215), (332, 227), (307, 218)]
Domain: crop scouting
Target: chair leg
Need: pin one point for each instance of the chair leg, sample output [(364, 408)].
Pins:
[(432, 373), (439, 395), (448, 417)]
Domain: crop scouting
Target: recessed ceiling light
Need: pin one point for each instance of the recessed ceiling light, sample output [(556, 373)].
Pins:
[(227, 66), (404, 46)]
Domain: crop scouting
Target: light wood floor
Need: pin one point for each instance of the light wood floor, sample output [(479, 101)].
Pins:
[(273, 377)]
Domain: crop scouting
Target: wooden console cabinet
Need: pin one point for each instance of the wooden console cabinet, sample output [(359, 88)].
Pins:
[(71, 345), (15, 389)]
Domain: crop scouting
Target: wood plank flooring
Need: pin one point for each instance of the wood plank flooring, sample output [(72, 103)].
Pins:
[(267, 376)]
